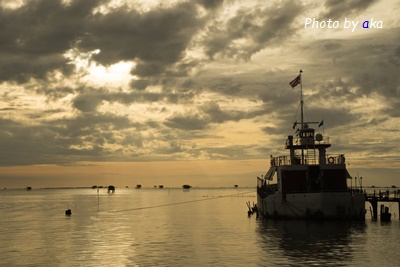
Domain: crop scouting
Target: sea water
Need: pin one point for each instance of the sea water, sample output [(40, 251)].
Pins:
[(173, 227)]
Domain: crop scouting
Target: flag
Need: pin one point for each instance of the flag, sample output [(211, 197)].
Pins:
[(321, 123), (295, 82), (294, 125)]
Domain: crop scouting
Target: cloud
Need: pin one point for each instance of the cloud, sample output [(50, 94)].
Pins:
[(338, 9), (88, 136), (250, 30), (154, 40), (36, 35), (208, 115), (188, 121), (211, 4), (362, 67), (209, 80)]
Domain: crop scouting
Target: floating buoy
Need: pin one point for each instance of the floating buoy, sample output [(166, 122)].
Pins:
[(68, 212)]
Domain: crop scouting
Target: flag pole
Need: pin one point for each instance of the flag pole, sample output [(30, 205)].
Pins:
[(301, 99), (302, 119)]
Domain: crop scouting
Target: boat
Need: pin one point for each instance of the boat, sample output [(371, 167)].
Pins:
[(308, 183)]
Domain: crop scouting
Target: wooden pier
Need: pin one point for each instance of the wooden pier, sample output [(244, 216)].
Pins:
[(383, 195)]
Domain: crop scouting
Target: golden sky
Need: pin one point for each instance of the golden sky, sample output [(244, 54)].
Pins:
[(191, 92)]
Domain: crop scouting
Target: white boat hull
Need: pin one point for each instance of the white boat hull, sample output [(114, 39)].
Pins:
[(321, 205)]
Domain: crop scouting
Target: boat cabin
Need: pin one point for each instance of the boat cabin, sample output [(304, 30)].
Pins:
[(307, 168)]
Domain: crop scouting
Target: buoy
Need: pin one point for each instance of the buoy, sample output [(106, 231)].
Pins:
[(68, 212)]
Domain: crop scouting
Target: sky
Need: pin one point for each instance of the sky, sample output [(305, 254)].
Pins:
[(197, 92)]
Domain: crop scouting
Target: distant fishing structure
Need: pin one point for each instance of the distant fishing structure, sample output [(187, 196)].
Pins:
[(68, 212), (186, 187), (111, 189)]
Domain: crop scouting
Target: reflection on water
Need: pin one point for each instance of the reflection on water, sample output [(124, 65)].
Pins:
[(145, 228), (310, 243)]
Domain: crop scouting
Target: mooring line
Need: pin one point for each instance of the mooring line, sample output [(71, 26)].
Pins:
[(179, 203)]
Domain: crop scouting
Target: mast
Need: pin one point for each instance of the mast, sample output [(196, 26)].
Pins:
[(301, 99), (302, 115)]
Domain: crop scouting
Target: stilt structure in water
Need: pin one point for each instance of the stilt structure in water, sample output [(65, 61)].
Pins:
[(382, 196)]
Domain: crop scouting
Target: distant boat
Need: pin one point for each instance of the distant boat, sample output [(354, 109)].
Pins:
[(310, 184), (138, 186), (160, 186), (28, 188), (186, 186)]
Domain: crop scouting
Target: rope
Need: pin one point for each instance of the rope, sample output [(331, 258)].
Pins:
[(178, 203)]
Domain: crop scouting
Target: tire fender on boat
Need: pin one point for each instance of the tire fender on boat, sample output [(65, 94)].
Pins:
[(331, 160)]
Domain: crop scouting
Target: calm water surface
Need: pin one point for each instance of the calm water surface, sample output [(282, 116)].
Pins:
[(171, 227)]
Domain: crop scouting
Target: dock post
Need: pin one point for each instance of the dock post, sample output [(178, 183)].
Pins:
[(398, 205), (374, 203)]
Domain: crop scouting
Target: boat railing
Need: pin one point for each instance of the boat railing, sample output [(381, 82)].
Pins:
[(379, 192), (308, 160), (280, 161)]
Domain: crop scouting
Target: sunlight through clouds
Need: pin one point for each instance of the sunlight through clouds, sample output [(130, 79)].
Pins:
[(173, 81)]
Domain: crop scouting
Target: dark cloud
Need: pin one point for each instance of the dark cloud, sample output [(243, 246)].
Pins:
[(167, 45), (272, 130), (35, 37), (88, 99), (344, 8), (154, 39), (363, 67), (211, 4), (188, 122), (251, 30), (54, 93), (23, 145), (139, 84), (208, 115), (87, 103), (83, 138), (396, 57)]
